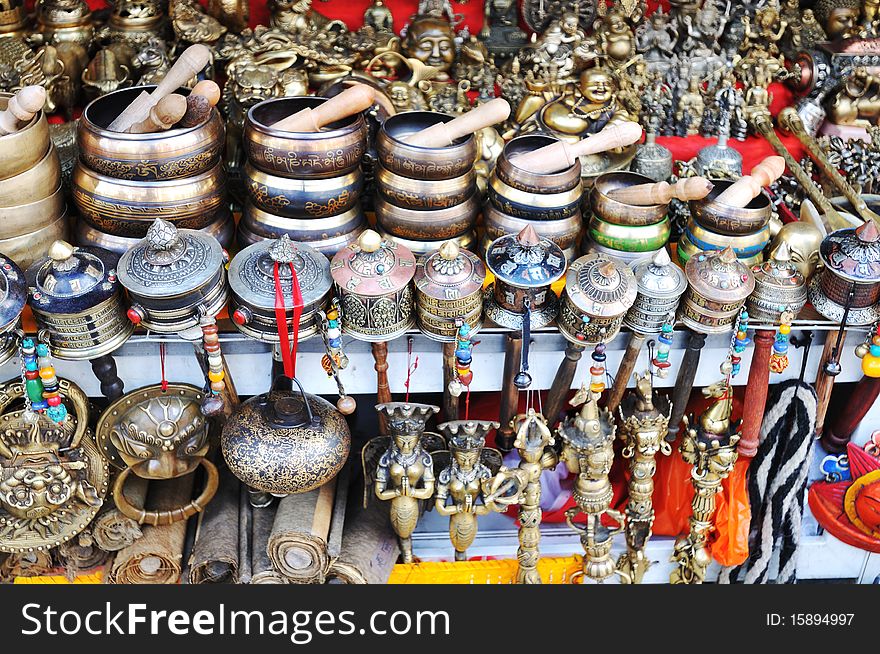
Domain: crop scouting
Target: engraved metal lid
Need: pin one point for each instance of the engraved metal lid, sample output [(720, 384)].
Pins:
[(252, 272), (599, 286), (778, 285), (72, 279), (450, 267), (170, 261), (373, 266), (719, 276), (525, 260), (658, 278), (853, 254), (13, 292)]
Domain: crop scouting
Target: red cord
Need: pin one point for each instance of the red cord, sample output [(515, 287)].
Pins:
[(288, 351), (162, 365), (410, 367)]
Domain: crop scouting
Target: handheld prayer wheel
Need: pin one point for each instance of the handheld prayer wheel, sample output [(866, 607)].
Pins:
[(718, 285), (779, 288), (660, 286), (13, 295)]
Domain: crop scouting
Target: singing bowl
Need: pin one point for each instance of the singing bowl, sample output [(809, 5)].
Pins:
[(589, 246), (420, 248), (427, 225), (566, 233), (535, 206), (523, 180), (686, 250), (733, 221), (22, 150), (644, 238), (171, 154), (418, 162), (746, 245), (327, 235), (34, 184), (424, 195), (28, 248), (335, 150), (24, 219), (303, 198), (128, 208), (620, 213), (222, 228)]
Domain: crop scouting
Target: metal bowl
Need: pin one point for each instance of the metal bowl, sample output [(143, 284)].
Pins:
[(423, 195), (427, 225), (303, 198), (421, 163), (128, 207), (744, 245), (643, 238), (535, 206), (334, 151), (420, 248), (529, 182), (620, 213), (25, 219), (724, 219), (28, 248), (222, 228), (22, 150), (327, 235), (150, 157), (566, 233), (34, 184)]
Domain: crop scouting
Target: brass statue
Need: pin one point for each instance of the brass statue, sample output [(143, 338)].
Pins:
[(586, 109), (710, 446), (857, 103), (431, 40), (805, 32), (838, 18), (104, 74), (297, 17), (803, 240), (192, 24), (588, 451), (378, 16), (768, 30), (400, 469), (655, 40), (689, 113), (757, 98), (644, 424), (501, 32), (615, 39)]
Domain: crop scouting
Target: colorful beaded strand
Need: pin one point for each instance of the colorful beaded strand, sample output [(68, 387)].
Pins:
[(779, 356), (664, 345)]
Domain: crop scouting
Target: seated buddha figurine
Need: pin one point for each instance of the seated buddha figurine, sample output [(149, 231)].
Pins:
[(430, 39), (587, 108)]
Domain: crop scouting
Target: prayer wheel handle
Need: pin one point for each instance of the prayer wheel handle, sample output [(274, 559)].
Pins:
[(10, 392), (165, 516), (285, 411)]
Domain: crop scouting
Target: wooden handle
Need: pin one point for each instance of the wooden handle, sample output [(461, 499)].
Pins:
[(166, 113), (450, 401), (745, 189), (756, 393), (625, 371), (643, 195), (190, 62), (442, 134), (504, 435), (21, 107), (559, 156), (859, 402), (352, 100), (383, 391), (560, 389), (825, 383), (684, 383)]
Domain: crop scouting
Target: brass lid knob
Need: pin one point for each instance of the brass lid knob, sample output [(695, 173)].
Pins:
[(369, 241)]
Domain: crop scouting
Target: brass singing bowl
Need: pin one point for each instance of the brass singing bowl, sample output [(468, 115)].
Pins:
[(521, 179), (744, 245), (589, 246), (424, 195), (535, 206), (34, 184), (566, 233), (303, 198), (222, 228), (686, 250), (418, 162), (22, 150), (24, 219), (171, 154), (620, 213), (128, 208), (427, 225), (724, 219), (644, 238), (327, 235), (28, 248), (419, 248), (336, 150)]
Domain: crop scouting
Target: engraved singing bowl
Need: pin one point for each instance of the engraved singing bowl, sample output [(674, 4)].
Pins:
[(28, 248), (327, 235), (534, 206), (428, 225), (419, 162), (523, 180), (128, 208), (686, 250), (565, 232), (620, 213), (465, 241), (303, 198), (628, 238), (744, 245), (149, 157), (422, 195), (733, 221), (34, 184), (22, 150), (24, 219), (336, 150), (589, 246)]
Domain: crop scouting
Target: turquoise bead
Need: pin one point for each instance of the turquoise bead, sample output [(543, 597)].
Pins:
[(57, 413), (875, 350)]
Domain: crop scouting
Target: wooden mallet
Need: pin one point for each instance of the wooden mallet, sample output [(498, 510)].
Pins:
[(560, 155), (162, 116), (440, 135), (203, 97), (21, 107), (644, 195), (354, 99), (747, 188)]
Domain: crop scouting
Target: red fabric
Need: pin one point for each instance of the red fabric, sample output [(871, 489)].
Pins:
[(288, 349)]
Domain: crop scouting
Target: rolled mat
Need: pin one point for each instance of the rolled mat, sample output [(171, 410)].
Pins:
[(262, 570), (298, 542), (27, 564), (245, 520), (369, 546), (113, 531), (156, 557), (215, 555), (79, 554)]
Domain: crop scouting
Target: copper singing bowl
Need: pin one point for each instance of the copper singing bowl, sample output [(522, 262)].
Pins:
[(128, 208), (327, 235), (524, 180), (535, 206), (24, 219), (335, 150), (21, 150), (424, 195), (565, 232), (419, 248), (620, 213), (427, 225), (303, 198), (170, 154), (724, 219), (28, 248), (34, 184), (222, 228), (419, 162)]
